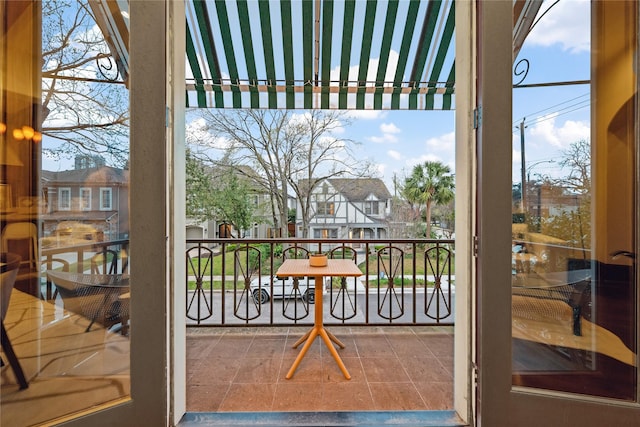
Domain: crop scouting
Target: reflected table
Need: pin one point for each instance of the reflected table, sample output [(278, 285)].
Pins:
[(98, 297), (334, 268)]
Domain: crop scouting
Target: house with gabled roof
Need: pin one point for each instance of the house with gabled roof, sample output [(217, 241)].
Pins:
[(349, 208), (97, 197)]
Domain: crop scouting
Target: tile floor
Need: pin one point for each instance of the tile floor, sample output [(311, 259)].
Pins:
[(392, 368)]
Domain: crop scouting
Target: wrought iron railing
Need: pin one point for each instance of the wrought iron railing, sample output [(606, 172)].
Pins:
[(110, 257), (404, 282)]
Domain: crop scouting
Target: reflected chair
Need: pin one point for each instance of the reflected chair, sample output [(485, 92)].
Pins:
[(96, 297), (9, 265), (21, 238)]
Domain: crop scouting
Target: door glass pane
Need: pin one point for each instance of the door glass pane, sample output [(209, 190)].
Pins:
[(64, 196), (574, 291)]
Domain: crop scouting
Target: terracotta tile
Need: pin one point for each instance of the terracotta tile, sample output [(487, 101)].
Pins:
[(308, 371), (380, 369), (199, 347), (314, 350), (436, 395), (346, 396), (258, 370), (248, 398), (214, 370), (205, 398), (266, 348), (425, 369), (331, 371), (440, 345), (291, 396), (231, 346), (408, 345), (396, 396), (373, 346)]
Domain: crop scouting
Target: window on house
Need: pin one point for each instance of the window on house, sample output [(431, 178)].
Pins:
[(325, 208), (325, 233), (85, 199), (371, 208), (64, 199), (105, 199)]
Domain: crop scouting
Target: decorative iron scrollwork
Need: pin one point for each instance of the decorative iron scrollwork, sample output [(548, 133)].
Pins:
[(107, 66), (521, 71)]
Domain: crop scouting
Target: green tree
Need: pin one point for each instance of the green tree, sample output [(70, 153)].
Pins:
[(232, 202), (430, 183), (200, 201)]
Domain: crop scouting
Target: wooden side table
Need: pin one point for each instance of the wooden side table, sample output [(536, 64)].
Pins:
[(301, 268)]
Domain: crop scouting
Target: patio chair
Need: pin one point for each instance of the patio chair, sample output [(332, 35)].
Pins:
[(9, 265), (96, 297), (21, 238)]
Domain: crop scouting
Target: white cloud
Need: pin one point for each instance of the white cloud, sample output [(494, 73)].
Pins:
[(365, 114), (384, 138), (395, 155), (197, 133), (545, 131), (566, 23), (389, 128)]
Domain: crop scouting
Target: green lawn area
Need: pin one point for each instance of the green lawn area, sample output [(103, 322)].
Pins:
[(216, 264)]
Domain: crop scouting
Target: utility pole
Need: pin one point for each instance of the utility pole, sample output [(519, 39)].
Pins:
[(523, 188)]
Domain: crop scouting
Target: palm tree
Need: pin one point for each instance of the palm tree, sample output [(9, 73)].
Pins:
[(429, 184)]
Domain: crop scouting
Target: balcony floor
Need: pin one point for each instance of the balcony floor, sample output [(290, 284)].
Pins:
[(393, 368)]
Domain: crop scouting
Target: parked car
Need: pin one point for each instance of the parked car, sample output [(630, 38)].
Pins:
[(282, 288)]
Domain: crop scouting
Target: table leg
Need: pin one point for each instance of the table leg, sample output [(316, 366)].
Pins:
[(334, 339), (334, 353), (318, 329), (313, 333), (302, 339)]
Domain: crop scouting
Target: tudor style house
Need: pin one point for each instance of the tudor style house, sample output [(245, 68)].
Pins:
[(92, 201), (349, 208)]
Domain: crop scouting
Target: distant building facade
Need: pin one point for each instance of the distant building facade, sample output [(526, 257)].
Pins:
[(93, 199), (355, 208)]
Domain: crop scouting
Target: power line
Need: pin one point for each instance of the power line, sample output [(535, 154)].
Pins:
[(552, 107)]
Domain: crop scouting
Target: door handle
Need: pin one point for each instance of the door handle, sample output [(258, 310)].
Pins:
[(627, 254)]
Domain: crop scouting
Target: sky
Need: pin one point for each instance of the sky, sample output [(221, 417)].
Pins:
[(557, 50)]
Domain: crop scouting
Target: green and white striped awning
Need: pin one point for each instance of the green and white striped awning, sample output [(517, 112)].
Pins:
[(304, 54), (374, 54)]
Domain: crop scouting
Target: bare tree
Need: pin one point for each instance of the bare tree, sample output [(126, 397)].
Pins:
[(577, 158), (84, 99), (289, 153)]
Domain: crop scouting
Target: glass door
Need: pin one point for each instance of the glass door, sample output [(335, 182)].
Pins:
[(572, 291)]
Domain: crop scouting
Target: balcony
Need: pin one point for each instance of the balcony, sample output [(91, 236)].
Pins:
[(404, 282), (396, 322)]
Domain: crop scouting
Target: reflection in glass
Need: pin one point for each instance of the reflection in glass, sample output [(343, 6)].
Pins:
[(574, 211), (64, 196)]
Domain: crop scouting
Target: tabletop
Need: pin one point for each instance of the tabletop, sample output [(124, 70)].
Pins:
[(103, 280), (334, 267)]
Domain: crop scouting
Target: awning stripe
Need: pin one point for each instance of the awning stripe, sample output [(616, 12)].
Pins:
[(206, 36), (447, 97), (385, 49), (365, 51), (403, 57), (225, 30), (443, 49), (287, 44), (424, 44), (192, 58), (260, 75), (307, 51), (247, 43), (267, 46), (327, 42), (345, 58)]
